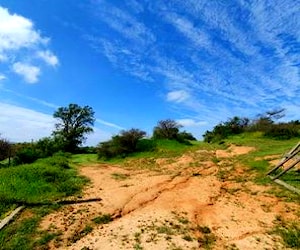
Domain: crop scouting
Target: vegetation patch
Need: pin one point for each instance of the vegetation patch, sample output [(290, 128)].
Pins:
[(103, 219), (35, 185), (38, 183), (289, 232), (78, 235)]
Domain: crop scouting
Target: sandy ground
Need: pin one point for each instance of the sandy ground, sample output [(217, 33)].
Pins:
[(186, 204)]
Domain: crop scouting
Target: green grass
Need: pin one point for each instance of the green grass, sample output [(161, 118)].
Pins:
[(43, 181), (23, 233), (258, 166), (36, 185), (84, 158), (289, 232), (164, 149), (103, 219), (264, 146)]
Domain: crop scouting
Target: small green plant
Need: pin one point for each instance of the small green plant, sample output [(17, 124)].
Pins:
[(137, 246), (203, 229), (207, 241), (103, 219), (164, 230), (187, 238), (183, 220), (46, 238), (78, 235), (290, 234), (137, 237)]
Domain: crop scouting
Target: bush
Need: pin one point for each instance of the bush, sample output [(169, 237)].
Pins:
[(28, 154), (282, 131), (233, 126), (125, 143)]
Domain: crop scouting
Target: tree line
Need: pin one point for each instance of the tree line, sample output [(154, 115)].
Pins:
[(266, 123), (74, 123)]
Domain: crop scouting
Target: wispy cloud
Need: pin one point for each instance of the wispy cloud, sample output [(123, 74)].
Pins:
[(109, 124), (19, 124), (177, 96), (19, 39), (123, 22), (217, 59), (30, 98), (22, 124)]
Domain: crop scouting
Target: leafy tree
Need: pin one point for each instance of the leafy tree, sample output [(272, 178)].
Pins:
[(166, 129), (74, 122), (130, 138)]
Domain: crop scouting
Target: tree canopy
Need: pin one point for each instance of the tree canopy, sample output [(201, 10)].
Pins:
[(74, 122), (166, 129)]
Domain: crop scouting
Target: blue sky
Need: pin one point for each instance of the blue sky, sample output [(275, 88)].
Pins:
[(137, 62)]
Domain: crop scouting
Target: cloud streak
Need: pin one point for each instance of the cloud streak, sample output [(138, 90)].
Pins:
[(216, 59)]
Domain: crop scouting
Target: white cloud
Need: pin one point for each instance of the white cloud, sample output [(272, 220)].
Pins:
[(29, 72), (48, 57), (17, 32), (191, 123), (19, 39)]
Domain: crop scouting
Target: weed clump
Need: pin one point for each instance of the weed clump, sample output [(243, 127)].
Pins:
[(103, 219)]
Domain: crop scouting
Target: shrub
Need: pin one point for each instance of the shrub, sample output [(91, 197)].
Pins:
[(27, 154), (121, 145), (283, 131), (233, 126)]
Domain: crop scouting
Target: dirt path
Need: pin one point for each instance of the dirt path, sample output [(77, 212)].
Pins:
[(192, 208)]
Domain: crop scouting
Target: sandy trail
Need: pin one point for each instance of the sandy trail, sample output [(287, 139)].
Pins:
[(192, 208)]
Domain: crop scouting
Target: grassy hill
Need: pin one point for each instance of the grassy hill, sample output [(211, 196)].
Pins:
[(39, 184)]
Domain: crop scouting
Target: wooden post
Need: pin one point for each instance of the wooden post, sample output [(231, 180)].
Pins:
[(290, 155), (287, 169)]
